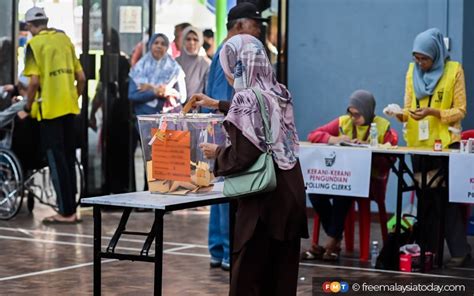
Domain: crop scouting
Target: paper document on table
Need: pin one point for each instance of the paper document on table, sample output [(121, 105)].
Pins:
[(350, 144)]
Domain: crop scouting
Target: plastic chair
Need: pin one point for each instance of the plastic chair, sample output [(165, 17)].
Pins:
[(465, 135), (378, 188)]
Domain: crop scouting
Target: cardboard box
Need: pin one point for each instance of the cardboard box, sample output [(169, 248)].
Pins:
[(411, 262)]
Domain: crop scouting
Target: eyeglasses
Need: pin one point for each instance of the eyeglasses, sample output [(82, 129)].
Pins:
[(421, 60), (354, 115)]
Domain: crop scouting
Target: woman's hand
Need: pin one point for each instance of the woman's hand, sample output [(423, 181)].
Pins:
[(201, 100), (171, 93), (22, 114), (8, 87), (393, 114), (93, 123), (209, 150), (421, 113), (337, 140), (145, 87), (160, 90), (357, 141)]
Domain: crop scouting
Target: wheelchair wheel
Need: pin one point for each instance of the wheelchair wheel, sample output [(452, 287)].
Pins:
[(11, 185)]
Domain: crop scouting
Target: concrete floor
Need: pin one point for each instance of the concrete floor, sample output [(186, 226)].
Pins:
[(57, 260)]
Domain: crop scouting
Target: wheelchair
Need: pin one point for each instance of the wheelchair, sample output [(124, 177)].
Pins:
[(24, 173)]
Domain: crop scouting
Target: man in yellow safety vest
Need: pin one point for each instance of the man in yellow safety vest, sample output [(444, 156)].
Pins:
[(52, 98)]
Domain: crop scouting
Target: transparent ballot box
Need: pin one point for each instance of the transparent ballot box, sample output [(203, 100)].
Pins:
[(170, 145)]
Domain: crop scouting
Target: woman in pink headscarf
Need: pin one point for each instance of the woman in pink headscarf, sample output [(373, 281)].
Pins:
[(268, 226)]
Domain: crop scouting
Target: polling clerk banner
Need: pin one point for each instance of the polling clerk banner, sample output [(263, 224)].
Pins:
[(336, 170), (461, 177)]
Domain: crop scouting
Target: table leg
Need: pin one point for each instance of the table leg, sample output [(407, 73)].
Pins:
[(158, 225), (400, 172), (97, 249), (444, 206), (420, 212), (441, 236)]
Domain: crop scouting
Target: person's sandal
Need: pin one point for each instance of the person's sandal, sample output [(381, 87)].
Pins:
[(331, 255), (459, 261), (315, 253)]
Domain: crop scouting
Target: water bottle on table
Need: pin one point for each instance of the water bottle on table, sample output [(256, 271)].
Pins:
[(374, 253), (373, 135)]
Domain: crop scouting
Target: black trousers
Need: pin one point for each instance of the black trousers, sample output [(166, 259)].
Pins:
[(265, 266), (435, 200), (332, 215), (58, 145)]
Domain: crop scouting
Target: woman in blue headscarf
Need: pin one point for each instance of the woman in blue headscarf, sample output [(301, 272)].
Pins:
[(157, 82), (435, 94), (435, 104)]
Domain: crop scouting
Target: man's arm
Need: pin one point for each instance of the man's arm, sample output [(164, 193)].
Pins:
[(33, 87), (81, 82)]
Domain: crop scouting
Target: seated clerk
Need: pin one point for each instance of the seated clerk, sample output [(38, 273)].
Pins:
[(351, 127)]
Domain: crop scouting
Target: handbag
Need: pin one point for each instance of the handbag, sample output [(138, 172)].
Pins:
[(260, 177)]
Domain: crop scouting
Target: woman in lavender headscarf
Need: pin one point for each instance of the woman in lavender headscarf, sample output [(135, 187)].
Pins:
[(268, 226)]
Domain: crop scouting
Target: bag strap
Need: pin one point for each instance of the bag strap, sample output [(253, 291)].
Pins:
[(266, 125)]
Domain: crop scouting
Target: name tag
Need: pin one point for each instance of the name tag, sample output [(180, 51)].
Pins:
[(423, 130)]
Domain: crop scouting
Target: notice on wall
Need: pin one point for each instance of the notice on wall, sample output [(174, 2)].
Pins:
[(171, 156), (336, 170), (461, 178), (130, 20)]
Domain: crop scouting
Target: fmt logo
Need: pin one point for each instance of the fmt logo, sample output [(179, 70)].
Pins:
[(335, 287)]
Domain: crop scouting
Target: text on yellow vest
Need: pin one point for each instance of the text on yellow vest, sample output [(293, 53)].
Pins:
[(52, 58)]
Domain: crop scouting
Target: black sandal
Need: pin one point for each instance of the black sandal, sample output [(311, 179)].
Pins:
[(331, 255), (315, 253)]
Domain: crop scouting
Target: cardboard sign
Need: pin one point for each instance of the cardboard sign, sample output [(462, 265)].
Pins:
[(461, 177), (336, 170), (171, 156)]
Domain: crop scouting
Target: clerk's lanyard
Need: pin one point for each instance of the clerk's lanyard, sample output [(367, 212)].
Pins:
[(354, 133), (418, 102)]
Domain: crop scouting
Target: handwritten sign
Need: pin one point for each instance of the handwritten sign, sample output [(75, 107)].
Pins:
[(461, 178), (171, 156), (130, 19), (336, 170)]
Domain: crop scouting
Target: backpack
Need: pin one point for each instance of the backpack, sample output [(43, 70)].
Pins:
[(389, 257)]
